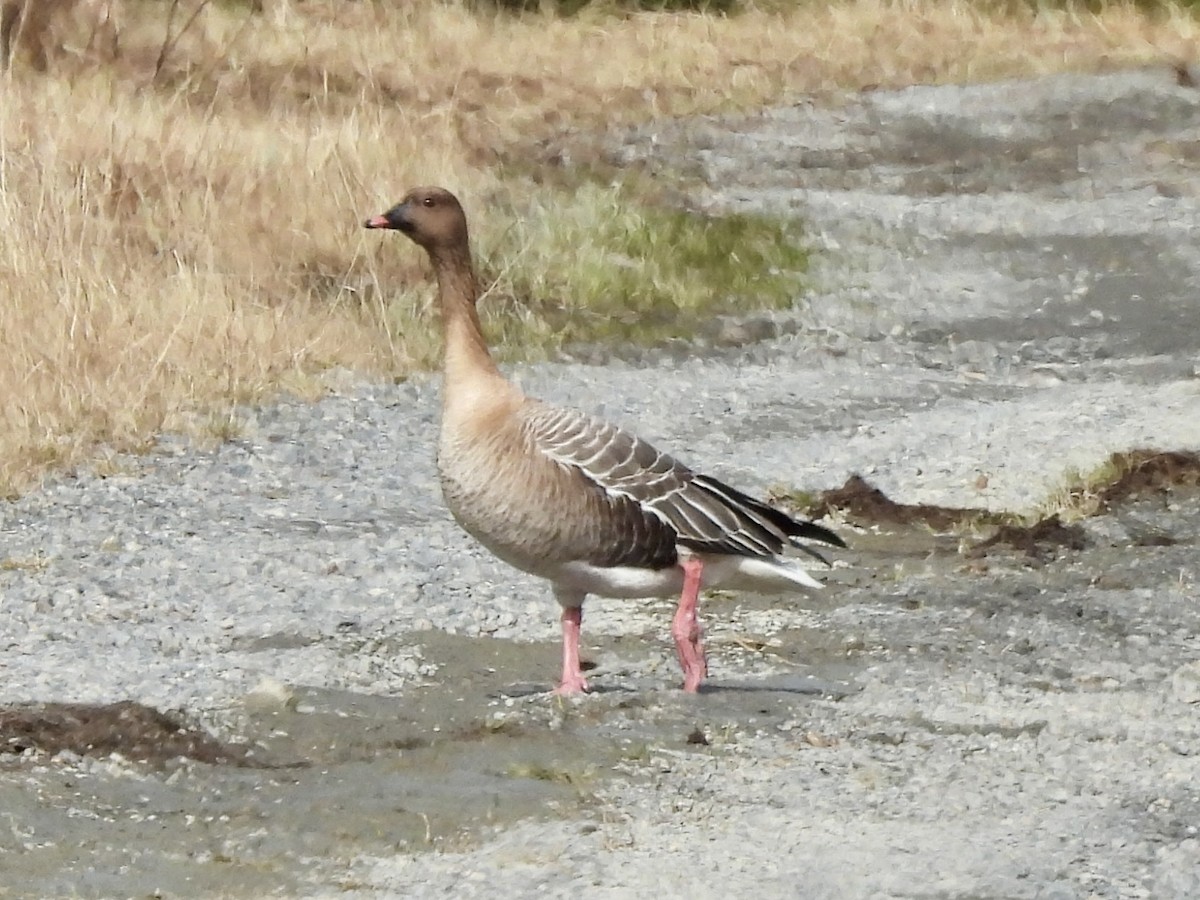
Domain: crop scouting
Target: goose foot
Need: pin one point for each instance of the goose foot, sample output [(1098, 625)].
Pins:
[(569, 688), (685, 628), (572, 681)]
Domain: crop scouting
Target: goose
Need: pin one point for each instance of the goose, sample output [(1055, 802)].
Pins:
[(572, 499)]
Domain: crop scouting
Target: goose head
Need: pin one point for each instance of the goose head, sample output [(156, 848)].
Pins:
[(430, 216)]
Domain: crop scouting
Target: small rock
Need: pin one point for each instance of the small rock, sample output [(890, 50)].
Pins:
[(270, 694), (816, 739), (1185, 683)]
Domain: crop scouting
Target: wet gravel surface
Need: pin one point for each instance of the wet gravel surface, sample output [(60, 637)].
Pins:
[(1006, 293)]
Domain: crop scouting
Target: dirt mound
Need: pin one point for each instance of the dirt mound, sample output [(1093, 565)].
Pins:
[(864, 504), (1033, 540), (137, 732), (1145, 472)]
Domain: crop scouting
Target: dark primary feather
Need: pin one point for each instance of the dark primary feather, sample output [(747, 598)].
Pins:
[(793, 529), (705, 515)]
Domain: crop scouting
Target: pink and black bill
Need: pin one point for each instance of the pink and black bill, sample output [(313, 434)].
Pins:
[(395, 218)]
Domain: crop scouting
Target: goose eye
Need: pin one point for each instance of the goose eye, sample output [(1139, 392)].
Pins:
[(428, 201)]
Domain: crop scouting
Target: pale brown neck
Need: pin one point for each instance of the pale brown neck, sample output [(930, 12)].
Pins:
[(466, 352)]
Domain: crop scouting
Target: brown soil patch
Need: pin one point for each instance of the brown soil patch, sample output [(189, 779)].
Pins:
[(863, 504), (1149, 472), (1139, 473), (135, 731), (1036, 540)]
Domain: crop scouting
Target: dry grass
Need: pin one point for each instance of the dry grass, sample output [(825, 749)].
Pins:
[(185, 236)]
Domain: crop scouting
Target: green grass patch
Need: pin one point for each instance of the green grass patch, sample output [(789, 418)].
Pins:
[(595, 265), (575, 777), (1124, 475), (1078, 495), (36, 563), (798, 500)]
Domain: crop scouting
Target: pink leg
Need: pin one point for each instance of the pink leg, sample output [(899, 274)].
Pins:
[(686, 627), (573, 681)]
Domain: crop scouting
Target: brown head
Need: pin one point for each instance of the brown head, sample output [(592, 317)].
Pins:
[(431, 216)]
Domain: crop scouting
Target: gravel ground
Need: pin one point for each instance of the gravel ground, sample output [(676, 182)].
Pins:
[(1007, 293)]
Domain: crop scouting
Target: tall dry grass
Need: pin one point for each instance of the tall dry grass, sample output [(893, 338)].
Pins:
[(182, 226)]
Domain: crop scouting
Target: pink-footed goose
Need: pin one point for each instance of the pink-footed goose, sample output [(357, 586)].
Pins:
[(577, 501)]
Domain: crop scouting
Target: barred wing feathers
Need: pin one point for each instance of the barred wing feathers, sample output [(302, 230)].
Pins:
[(706, 515)]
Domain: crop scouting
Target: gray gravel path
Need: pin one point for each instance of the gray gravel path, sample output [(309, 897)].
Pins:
[(1008, 289)]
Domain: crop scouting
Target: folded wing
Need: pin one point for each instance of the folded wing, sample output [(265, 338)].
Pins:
[(706, 515)]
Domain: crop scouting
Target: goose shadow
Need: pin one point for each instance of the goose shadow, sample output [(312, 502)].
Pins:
[(797, 685), (805, 685)]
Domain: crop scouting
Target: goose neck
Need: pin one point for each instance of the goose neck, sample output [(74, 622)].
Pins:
[(466, 350)]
